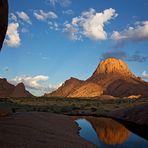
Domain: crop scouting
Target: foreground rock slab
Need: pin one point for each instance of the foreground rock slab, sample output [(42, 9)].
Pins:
[(40, 130), (137, 114)]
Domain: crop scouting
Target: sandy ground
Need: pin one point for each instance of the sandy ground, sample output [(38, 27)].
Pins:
[(40, 130)]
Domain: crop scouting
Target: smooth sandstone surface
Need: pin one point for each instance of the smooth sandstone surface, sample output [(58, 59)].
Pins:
[(40, 130)]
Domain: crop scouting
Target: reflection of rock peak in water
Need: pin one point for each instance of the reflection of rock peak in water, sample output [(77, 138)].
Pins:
[(112, 77), (109, 131)]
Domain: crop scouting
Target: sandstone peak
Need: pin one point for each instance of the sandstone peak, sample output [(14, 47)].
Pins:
[(113, 66), (111, 78), (20, 85)]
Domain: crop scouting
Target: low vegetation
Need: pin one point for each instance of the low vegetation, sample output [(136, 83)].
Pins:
[(69, 105)]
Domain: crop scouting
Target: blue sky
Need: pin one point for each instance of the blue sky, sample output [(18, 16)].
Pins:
[(49, 41)]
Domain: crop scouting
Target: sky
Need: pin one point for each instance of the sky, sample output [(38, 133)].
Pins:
[(49, 41)]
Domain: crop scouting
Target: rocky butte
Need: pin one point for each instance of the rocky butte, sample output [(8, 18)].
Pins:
[(111, 78), (8, 90)]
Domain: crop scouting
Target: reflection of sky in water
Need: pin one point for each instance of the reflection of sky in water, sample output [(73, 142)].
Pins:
[(89, 133)]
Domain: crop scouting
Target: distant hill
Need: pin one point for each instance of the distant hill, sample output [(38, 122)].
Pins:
[(9, 90), (112, 77)]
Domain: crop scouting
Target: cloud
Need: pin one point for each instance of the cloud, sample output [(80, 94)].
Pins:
[(13, 17), (37, 85), (51, 87), (144, 75), (42, 15), (114, 54), (22, 15), (138, 33), (68, 12), (72, 32), (91, 24), (136, 57), (53, 26), (24, 30), (30, 82), (12, 35), (63, 3)]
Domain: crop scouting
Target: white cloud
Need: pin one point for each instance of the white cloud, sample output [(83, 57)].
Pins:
[(12, 35), (42, 15), (53, 26), (137, 33), (30, 82), (13, 17), (91, 23), (51, 87), (72, 32), (63, 3), (24, 30), (68, 12), (24, 17), (53, 2), (38, 85), (144, 75)]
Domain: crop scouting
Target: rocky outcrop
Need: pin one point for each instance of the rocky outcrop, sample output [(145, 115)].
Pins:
[(113, 66), (40, 130), (136, 114), (3, 20), (67, 88), (5, 88), (112, 78), (86, 89), (20, 91), (9, 90)]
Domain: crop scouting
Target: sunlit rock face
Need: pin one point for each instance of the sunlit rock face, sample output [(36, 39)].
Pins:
[(86, 89), (67, 88), (109, 131), (112, 77), (113, 66)]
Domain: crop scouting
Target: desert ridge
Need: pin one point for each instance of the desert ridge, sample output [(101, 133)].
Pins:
[(8, 90), (112, 77)]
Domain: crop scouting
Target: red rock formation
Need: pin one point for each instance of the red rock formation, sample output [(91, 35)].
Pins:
[(112, 77), (9, 90), (20, 91), (5, 88), (67, 88), (86, 89)]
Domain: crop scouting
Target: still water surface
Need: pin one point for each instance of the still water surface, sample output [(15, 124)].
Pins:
[(108, 133)]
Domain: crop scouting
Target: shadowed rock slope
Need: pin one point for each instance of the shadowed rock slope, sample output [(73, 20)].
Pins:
[(9, 90), (112, 77), (137, 114), (3, 20)]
